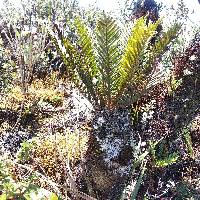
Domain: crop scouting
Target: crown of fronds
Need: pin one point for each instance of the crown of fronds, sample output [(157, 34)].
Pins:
[(108, 72)]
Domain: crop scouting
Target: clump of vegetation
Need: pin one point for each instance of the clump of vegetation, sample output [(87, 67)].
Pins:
[(53, 153), (39, 91), (10, 188)]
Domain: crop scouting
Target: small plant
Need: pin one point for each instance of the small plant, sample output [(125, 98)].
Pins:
[(188, 141), (174, 84), (10, 188), (24, 154), (162, 158), (46, 91), (131, 191), (172, 158), (39, 91)]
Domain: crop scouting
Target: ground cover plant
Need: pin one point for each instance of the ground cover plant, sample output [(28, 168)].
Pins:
[(97, 106)]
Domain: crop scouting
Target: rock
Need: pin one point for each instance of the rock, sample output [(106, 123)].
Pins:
[(10, 141)]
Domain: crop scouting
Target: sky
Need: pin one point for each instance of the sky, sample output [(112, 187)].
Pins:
[(110, 5), (113, 5)]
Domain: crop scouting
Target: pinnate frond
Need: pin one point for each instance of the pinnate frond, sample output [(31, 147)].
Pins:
[(87, 66), (108, 55), (66, 51), (166, 38), (130, 69), (86, 47), (77, 69)]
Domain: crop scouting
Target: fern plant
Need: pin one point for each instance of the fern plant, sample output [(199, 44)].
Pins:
[(110, 72)]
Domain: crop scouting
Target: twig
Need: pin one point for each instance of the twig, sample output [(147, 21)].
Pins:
[(20, 115), (41, 176), (55, 185)]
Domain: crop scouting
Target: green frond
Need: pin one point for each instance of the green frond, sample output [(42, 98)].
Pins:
[(87, 66), (161, 46), (76, 66), (86, 48), (107, 70), (166, 39), (108, 55), (131, 68)]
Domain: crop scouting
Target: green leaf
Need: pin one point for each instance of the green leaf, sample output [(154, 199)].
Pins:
[(172, 158), (138, 183), (53, 196), (188, 141), (108, 56), (69, 56), (3, 197), (140, 160), (161, 44), (86, 48), (87, 67), (131, 72)]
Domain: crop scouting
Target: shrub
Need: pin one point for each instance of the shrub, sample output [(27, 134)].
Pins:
[(12, 189)]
